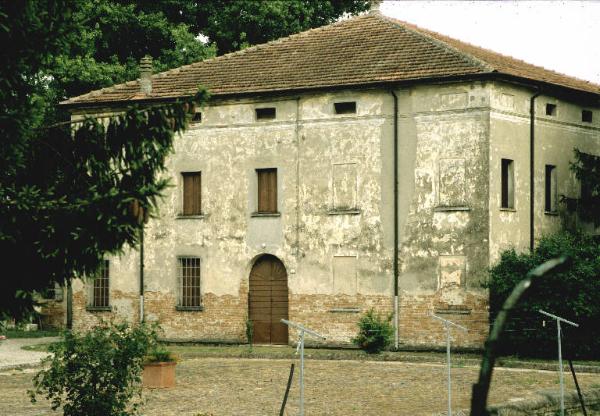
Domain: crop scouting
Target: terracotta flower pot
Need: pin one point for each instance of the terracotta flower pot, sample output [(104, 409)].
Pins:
[(159, 375)]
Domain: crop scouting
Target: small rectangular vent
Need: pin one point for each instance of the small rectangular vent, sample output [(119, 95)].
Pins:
[(586, 116), (550, 109), (267, 113), (346, 107)]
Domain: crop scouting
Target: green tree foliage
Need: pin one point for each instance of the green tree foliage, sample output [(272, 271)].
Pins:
[(374, 332), (235, 24), (65, 196), (573, 293), (586, 168), (97, 373)]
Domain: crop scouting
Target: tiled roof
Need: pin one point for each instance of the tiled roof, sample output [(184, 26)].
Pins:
[(367, 49)]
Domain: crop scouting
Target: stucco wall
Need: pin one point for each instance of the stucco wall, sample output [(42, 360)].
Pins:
[(443, 135), (451, 138), (555, 138)]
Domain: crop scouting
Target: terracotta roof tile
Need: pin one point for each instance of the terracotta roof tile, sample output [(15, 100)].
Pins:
[(362, 50)]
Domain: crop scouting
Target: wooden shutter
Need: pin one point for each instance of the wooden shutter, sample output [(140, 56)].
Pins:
[(267, 190), (192, 195)]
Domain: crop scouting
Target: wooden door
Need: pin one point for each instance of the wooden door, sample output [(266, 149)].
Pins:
[(268, 301)]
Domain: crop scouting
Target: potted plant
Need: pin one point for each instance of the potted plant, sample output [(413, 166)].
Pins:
[(159, 369)]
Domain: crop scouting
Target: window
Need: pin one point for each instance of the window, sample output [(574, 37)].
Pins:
[(348, 107), (99, 287), (188, 276), (267, 113), (551, 189), (550, 109), (197, 117), (586, 116), (192, 195), (267, 190), (508, 184)]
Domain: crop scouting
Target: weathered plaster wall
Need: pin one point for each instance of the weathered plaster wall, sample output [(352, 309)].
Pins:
[(443, 134), (335, 258), (555, 138), (334, 230)]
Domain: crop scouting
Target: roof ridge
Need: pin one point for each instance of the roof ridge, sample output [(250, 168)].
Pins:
[(423, 33)]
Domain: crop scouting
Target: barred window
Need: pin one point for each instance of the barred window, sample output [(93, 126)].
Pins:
[(99, 287), (189, 282)]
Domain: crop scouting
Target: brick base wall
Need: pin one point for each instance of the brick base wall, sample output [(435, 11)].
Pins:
[(223, 318), (418, 328), (124, 307), (332, 315), (54, 315)]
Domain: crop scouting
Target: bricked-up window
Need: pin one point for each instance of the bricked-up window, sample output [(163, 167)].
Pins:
[(188, 275), (99, 287), (267, 113), (551, 194), (267, 190), (192, 193), (586, 116), (508, 184), (346, 107)]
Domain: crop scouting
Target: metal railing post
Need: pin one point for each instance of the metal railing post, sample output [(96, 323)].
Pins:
[(447, 324), (300, 347), (560, 363)]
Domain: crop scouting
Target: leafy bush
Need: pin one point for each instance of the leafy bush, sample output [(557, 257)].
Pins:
[(160, 355), (573, 293), (374, 332), (96, 373)]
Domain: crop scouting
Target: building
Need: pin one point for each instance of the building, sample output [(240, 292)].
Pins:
[(364, 164)]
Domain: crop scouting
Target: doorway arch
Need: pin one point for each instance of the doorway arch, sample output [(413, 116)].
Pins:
[(268, 300)]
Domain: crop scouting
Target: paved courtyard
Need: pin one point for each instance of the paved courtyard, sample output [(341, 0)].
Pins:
[(234, 386)]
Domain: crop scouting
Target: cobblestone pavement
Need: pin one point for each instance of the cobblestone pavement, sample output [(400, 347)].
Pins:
[(13, 356), (233, 386)]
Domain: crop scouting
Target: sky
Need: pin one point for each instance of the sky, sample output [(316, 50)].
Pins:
[(560, 35)]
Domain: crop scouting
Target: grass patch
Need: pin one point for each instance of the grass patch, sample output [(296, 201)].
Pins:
[(17, 333), (38, 347)]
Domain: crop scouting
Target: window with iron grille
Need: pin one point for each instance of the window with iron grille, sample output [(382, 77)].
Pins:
[(99, 288), (188, 276)]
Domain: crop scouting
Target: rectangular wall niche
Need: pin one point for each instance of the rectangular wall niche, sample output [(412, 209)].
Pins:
[(454, 100), (452, 181), (344, 186), (452, 271), (344, 275)]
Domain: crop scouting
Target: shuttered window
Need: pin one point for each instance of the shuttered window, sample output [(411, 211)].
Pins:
[(189, 282), (99, 287), (192, 195), (267, 190)]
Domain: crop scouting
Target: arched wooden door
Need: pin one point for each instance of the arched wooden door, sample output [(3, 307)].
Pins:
[(268, 300)]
